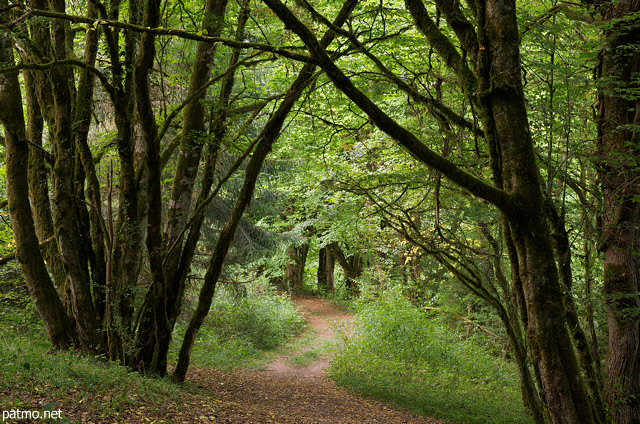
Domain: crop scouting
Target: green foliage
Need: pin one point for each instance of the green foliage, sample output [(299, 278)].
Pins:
[(242, 325), (401, 356)]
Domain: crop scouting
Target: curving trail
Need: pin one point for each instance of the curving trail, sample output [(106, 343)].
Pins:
[(286, 394)]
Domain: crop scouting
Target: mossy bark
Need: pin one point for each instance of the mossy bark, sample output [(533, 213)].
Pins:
[(619, 173), (146, 118), (194, 135), (93, 237), (51, 310), (64, 206)]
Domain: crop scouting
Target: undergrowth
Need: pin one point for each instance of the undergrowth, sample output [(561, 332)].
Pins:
[(400, 356), (241, 328), (34, 378)]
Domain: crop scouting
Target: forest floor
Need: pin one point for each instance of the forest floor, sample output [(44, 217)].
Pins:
[(280, 393)]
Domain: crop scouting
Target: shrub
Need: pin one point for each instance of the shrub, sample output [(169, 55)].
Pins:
[(401, 356), (242, 325)]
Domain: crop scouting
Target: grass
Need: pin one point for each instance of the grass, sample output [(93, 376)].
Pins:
[(401, 357), (33, 378), (306, 358)]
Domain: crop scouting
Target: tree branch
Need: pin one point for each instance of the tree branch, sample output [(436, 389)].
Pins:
[(64, 62), (280, 51), (419, 150)]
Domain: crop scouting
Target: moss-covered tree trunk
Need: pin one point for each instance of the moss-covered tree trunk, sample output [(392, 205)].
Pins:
[(53, 314), (146, 118), (91, 208), (194, 137), (39, 189), (65, 215), (38, 97), (619, 173), (178, 255), (124, 239)]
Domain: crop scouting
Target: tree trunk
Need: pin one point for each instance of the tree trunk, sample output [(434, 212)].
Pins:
[(39, 191), (146, 118), (178, 258), (322, 270), (352, 265), (330, 270), (294, 275), (64, 205), (43, 292), (325, 270), (127, 229), (505, 121), (93, 234), (194, 136), (619, 174)]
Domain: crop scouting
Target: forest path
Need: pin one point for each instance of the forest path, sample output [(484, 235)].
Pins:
[(284, 393)]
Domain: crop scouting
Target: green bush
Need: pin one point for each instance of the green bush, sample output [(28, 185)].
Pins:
[(401, 356), (265, 320), (241, 325)]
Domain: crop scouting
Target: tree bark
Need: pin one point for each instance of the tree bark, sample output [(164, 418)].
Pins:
[(619, 174), (325, 270), (294, 274), (321, 275), (194, 136), (178, 257), (51, 310), (39, 190), (64, 206), (352, 265), (93, 237), (146, 118), (124, 251)]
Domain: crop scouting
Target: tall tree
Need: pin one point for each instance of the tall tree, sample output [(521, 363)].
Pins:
[(618, 150), (46, 299)]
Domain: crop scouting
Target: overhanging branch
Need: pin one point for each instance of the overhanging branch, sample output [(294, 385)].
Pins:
[(280, 51), (404, 137)]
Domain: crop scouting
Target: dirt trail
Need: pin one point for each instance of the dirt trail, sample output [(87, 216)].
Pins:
[(286, 394), (323, 320)]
